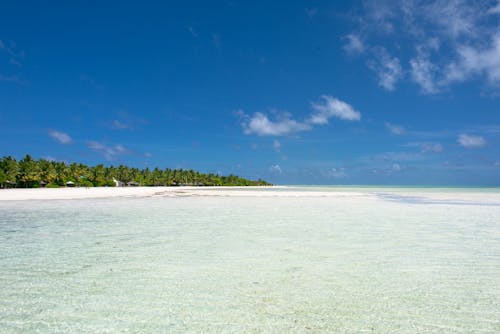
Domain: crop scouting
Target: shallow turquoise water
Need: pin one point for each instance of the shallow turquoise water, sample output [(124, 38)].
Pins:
[(375, 264)]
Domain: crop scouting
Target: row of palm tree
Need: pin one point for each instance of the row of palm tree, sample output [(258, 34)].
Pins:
[(30, 173)]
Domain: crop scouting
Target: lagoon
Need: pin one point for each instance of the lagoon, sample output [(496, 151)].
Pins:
[(292, 259)]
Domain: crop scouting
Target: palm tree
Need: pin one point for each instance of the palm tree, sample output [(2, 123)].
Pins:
[(29, 171), (10, 169), (47, 171), (61, 172)]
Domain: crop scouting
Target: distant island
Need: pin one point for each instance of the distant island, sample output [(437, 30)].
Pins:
[(30, 173)]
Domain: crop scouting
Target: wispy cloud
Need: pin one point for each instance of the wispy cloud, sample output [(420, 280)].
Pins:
[(118, 125), (276, 145), (284, 124), (395, 129), (261, 125), (329, 107), (193, 31), (388, 170), (275, 169), (456, 41), (431, 147), (495, 9), (471, 141), (387, 68), (61, 137), (335, 173), (15, 56), (423, 72), (126, 121), (391, 157), (354, 44), (109, 152), (426, 147), (476, 61), (13, 79)]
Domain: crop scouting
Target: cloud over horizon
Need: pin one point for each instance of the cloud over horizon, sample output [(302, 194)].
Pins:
[(61, 137), (108, 152), (471, 141), (328, 107)]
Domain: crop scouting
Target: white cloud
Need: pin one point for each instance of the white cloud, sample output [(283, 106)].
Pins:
[(379, 13), (109, 152), (431, 147), (426, 147), (261, 125), (336, 173), (354, 44), (454, 18), (456, 40), (283, 124), (61, 137), (387, 68), (331, 107), (275, 169), (395, 129), (423, 72), (471, 141), (476, 61), (396, 167), (126, 121), (451, 18), (118, 125), (495, 9)]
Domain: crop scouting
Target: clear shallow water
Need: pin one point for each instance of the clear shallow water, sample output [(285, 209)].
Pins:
[(245, 264)]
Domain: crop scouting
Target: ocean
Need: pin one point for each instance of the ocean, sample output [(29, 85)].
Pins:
[(388, 260)]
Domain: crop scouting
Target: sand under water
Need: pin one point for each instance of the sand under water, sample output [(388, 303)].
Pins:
[(270, 260)]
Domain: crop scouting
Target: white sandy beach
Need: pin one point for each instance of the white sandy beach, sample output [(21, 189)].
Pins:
[(110, 192), (410, 194)]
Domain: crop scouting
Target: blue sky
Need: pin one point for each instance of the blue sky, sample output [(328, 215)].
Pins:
[(300, 92)]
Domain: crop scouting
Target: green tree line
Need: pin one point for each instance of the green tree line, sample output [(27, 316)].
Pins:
[(30, 173)]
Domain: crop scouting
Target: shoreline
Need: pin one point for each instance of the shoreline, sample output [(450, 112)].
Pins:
[(26, 194), (32, 194), (409, 195)]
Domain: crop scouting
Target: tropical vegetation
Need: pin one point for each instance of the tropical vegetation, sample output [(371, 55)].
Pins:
[(31, 173)]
